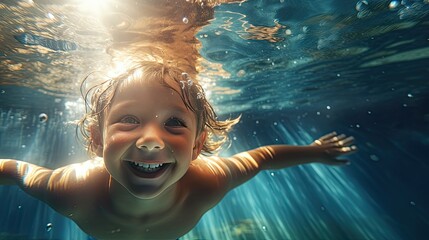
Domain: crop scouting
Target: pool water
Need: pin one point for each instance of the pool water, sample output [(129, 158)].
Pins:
[(295, 70)]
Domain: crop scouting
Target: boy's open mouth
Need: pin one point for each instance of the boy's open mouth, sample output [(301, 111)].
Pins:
[(148, 170)]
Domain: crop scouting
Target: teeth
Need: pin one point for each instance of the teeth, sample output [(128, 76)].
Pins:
[(145, 165)]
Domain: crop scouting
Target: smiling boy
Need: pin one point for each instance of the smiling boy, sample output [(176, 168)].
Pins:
[(148, 180)]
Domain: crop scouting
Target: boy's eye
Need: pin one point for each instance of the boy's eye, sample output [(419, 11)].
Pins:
[(175, 122), (129, 120)]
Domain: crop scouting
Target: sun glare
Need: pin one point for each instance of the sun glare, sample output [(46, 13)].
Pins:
[(94, 6)]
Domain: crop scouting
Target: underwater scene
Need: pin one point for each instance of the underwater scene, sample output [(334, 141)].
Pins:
[(294, 71)]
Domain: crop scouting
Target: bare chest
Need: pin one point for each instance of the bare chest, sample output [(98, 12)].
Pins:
[(102, 224)]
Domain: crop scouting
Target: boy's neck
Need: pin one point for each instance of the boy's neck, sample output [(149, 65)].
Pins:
[(122, 202)]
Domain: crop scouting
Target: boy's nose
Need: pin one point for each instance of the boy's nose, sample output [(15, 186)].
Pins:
[(150, 140)]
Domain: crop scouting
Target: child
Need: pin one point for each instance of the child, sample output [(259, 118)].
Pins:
[(147, 180)]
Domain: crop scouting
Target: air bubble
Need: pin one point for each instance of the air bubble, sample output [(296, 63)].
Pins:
[(407, 3), (374, 158), (328, 107), (50, 16), (19, 29), (410, 95), (43, 117), (190, 82), (48, 227), (394, 4), (362, 5), (241, 73), (185, 20), (264, 228)]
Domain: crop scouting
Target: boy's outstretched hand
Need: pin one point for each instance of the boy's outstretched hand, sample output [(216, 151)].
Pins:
[(335, 146)]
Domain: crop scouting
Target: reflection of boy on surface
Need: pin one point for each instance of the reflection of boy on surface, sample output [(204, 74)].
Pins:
[(148, 128)]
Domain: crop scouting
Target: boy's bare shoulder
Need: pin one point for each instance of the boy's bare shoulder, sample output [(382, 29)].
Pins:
[(78, 176), (208, 178), (77, 186)]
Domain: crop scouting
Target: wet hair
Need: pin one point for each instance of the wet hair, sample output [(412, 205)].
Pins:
[(99, 97)]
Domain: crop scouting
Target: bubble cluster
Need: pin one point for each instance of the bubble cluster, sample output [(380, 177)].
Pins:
[(200, 95), (403, 8)]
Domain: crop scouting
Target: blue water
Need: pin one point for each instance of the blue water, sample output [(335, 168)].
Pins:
[(359, 68)]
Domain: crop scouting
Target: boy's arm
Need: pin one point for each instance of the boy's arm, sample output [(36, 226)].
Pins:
[(63, 188), (243, 166), (23, 174), (326, 150)]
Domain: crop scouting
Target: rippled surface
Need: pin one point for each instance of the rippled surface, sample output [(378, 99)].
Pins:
[(328, 54), (295, 70)]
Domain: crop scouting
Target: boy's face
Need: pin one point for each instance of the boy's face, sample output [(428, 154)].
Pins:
[(149, 138)]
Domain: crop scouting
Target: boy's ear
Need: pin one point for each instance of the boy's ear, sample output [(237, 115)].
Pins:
[(96, 140), (199, 143)]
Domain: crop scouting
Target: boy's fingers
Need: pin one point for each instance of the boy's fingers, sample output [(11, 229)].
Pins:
[(346, 142), (327, 136), (348, 149), (337, 138)]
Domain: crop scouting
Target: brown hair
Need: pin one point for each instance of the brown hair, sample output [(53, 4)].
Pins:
[(98, 98)]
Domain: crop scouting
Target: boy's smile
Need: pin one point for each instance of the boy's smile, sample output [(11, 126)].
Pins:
[(149, 137)]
